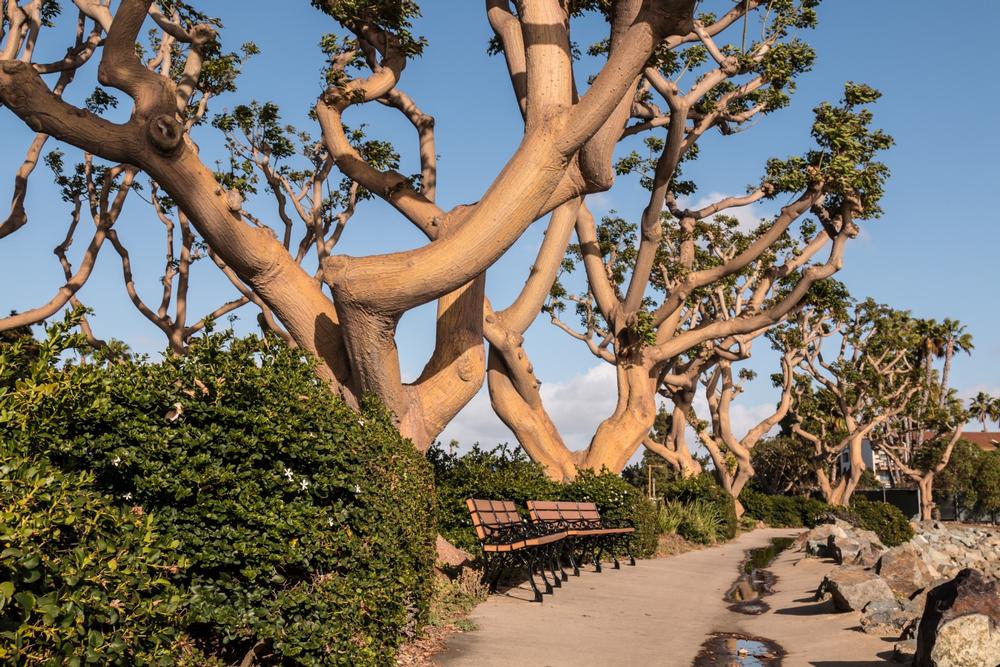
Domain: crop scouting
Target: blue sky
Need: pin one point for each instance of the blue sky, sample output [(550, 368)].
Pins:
[(932, 251)]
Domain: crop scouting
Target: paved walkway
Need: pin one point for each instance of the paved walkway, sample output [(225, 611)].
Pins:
[(659, 613)]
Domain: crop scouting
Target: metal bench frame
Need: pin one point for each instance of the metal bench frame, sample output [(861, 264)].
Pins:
[(508, 540), (586, 532)]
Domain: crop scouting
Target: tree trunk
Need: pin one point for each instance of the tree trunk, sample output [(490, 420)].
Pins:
[(949, 353), (926, 486), (620, 435), (515, 399)]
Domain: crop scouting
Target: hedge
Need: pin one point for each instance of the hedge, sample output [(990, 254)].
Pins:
[(307, 527), (506, 473), (884, 519)]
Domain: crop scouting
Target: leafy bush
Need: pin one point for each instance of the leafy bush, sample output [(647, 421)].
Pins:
[(703, 488), (500, 473), (886, 520), (83, 579), (783, 511), (620, 504), (504, 473), (308, 527)]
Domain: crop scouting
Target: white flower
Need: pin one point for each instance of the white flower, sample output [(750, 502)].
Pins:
[(357, 488), (127, 496), (115, 461), (304, 483), (329, 522), (361, 422), (289, 474)]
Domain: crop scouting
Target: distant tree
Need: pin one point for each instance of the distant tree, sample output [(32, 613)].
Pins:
[(783, 466), (841, 398), (981, 407)]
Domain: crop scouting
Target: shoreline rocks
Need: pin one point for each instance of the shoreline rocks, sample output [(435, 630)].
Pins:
[(960, 626)]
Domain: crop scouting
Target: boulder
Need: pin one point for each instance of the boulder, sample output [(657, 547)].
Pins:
[(887, 623), (448, 555), (854, 588), (904, 569), (960, 626), (859, 547), (816, 541)]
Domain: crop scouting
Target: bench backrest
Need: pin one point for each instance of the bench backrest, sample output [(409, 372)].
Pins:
[(488, 515), (560, 510)]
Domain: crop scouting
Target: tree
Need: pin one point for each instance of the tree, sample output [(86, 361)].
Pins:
[(564, 154), (920, 444), (956, 339), (782, 466), (981, 407), (684, 256), (839, 400)]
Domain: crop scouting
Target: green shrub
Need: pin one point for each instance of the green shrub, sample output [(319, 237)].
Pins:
[(308, 527), (783, 511), (886, 520), (620, 504), (704, 488), (83, 579), (503, 473)]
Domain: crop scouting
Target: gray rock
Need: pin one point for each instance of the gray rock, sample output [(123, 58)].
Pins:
[(853, 588), (960, 626), (905, 570)]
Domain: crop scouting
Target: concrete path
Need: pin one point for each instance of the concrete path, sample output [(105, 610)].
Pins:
[(659, 613)]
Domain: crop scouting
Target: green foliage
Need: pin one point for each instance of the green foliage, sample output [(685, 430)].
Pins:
[(780, 511), (700, 520), (781, 465), (886, 520), (500, 473), (504, 473), (308, 527), (702, 488), (620, 504), (972, 477), (83, 577)]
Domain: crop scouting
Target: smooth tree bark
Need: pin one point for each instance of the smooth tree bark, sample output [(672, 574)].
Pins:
[(716, 433), (564, 154), (648, 345)]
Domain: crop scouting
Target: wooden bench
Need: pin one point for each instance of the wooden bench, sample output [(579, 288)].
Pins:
[(507, 539), (584, 529)]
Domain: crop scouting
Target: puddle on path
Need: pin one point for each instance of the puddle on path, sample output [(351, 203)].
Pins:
[(726, 649), (755, 582)]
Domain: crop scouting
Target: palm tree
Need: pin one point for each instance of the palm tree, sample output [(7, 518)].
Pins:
[(932, 344), (956, 339), (994, 411), (983, 406)]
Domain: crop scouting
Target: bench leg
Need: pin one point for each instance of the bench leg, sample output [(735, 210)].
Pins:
[(558, 574), (549, 561), (540, 561), (528, 560), (597, 557)]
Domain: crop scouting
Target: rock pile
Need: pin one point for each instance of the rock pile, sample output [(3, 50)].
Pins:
[(925, 581), (960, 626), (949, 548)]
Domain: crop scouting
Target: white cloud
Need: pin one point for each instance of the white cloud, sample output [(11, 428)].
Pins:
[(577, 406)]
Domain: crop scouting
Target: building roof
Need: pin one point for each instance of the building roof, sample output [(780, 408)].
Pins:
[(988, 441)]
